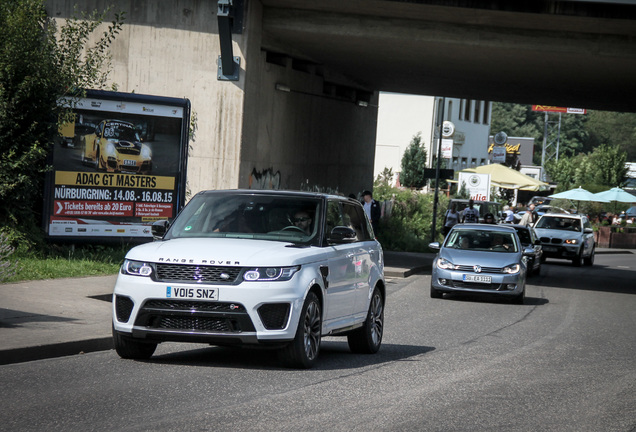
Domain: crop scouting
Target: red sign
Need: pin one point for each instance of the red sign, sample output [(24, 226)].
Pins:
[(92, 208), (559, 109)]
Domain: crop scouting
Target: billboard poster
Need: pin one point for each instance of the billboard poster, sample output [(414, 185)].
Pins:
[(477, 185), (118, 166), (499, 154)]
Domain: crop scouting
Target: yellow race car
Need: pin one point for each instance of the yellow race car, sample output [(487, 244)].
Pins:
[(115, 146)]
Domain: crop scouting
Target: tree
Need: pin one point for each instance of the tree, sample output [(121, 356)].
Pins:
[(414, 164), (39, 65)]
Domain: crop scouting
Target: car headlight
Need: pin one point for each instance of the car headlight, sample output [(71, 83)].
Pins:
[(572, 241), (511, 269), (146, 153), (269, 274), (110, 149), (136, 268), (445, 264)]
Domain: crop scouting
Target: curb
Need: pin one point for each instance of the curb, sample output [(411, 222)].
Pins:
[(63, 349)]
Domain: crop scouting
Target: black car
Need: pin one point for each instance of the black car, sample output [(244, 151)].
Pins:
[(529, 240)]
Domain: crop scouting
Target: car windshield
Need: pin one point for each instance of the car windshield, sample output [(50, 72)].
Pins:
[(482, 240), (559, 223), (120, 131), (263, 217)]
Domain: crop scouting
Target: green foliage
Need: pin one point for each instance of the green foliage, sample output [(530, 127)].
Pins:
[(60, 261), (408, 227), (38, 66), (614, 129), (600, 170), (414, 163)]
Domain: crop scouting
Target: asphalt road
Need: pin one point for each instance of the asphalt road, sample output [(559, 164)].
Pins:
[(564, 361)]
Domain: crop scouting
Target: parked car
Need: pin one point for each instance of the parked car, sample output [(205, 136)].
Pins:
[(115, 146), (480, 258), (567, 236), (244, 267), (484, 207), (532, 248)]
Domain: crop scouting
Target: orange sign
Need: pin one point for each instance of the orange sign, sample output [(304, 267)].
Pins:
[(559, 109)]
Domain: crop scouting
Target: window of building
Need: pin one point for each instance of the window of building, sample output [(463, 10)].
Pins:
[(467, 110), (482, 162), (473, 162), (486, 111), (462, 104), (477, 111), (449, 112), (464, 162), (455, 162)]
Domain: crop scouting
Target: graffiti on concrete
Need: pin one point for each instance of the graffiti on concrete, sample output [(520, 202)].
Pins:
[(266, 179)]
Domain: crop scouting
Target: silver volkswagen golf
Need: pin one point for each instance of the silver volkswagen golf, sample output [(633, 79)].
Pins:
[(480, 258)]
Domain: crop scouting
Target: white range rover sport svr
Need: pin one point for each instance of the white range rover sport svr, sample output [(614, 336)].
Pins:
[(272, 268)]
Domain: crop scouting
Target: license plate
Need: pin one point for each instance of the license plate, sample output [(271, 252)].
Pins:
[(192, 293), (130, 162), (477, 278), (549, 248)]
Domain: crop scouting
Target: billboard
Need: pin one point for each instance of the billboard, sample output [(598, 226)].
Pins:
[(563, 110), (118, 166), (477, 185)]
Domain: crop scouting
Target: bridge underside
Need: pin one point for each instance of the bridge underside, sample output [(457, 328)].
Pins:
[(583, 56)]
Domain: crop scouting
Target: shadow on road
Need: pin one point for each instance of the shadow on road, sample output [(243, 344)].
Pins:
[(334, 355)]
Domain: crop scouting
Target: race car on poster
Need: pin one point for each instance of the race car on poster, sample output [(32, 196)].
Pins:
[(115, 146)]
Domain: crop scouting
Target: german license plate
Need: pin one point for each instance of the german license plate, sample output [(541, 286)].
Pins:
[(130, 162), (477, 278), (549, 248), (192, 293)]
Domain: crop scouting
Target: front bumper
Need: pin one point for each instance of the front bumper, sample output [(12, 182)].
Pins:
[(560, 251), (248, 313), (501, 284)]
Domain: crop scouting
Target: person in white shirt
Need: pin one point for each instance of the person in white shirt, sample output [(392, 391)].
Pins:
[(451, 218), (510, 215)]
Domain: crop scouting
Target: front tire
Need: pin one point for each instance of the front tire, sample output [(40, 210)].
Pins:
[(129, 348), (303, 351), (368, 338), (436, 294), (576, 262), (520, 298)]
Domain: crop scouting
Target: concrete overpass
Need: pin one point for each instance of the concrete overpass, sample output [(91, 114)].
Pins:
[(302, 111), (577, 54)]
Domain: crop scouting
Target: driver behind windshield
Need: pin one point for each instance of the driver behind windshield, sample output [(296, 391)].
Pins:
[(303, 221)]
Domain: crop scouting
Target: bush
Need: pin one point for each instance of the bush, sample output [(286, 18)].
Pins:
[(408, 227)]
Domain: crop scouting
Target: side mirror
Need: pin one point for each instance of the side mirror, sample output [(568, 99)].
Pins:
[(434, 246), (159, 229), (342, 234), (588, 230), (528, 251)]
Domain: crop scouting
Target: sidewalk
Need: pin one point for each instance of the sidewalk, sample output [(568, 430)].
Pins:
[(60, 317)]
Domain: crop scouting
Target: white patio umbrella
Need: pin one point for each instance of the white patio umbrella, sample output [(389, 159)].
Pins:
[(579, 194), (616, 195)]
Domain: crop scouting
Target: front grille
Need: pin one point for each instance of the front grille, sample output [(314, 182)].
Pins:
[(469, 268), (191, 305), (197, 273), (194, 323), (274, 316), (192, 315), (548, 240), (123, 308), (128, 151), (469, 285)]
